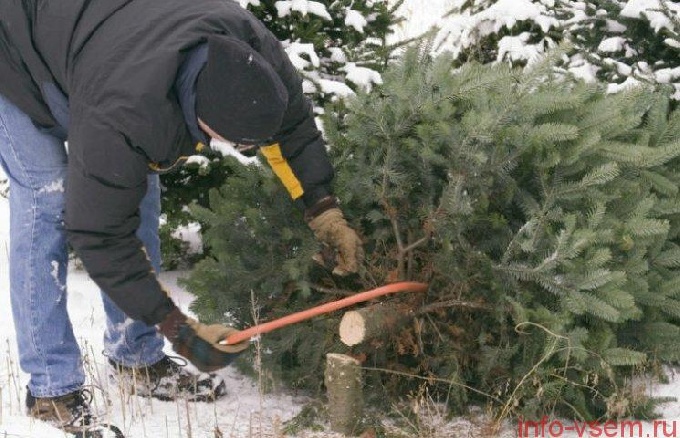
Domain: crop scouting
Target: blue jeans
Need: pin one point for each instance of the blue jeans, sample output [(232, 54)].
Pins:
[(35, 164)]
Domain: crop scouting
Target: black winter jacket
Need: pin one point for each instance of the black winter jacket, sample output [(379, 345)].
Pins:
[(108, 68)]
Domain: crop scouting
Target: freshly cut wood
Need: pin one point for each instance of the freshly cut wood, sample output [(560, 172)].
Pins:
[(372, 322), (344, 386)]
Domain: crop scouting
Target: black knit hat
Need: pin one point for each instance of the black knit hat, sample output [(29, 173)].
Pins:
[(238, 93)]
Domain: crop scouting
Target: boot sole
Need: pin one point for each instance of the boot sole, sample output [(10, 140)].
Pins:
[(209, 395)]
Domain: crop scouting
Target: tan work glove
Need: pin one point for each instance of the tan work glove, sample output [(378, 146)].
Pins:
[(215, 333), (200, 343), (331, 228)]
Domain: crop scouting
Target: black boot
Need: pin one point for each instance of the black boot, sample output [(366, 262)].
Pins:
[(167, 380)]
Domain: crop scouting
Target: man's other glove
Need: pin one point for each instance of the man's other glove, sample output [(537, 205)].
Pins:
[(331, 228), (200, 343)]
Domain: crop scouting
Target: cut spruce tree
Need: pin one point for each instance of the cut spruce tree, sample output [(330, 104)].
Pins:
[(542, 212)]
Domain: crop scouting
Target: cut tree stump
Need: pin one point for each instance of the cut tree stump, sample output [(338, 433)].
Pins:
[(372, 322), (344, 385)]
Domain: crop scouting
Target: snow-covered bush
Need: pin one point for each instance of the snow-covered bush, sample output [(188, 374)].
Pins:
[(622, 43), (337, 45)]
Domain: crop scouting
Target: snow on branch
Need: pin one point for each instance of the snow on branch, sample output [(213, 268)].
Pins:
[(285, 7)]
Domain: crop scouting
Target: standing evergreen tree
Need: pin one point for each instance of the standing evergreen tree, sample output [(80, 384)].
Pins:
[(338, 46), (543, 214), (616, 42)]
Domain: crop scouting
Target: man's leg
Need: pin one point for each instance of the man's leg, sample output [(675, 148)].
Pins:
[(128, 342), (35, 164)]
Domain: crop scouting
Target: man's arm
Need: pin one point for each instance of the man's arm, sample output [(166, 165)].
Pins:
[(300, 159), (299, 142), (106, 182)]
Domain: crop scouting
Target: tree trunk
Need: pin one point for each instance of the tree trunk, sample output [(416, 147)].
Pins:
[(371, 322), (344, 385)]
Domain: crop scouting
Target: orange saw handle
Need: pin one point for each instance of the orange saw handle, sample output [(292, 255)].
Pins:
[(244, 335)]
